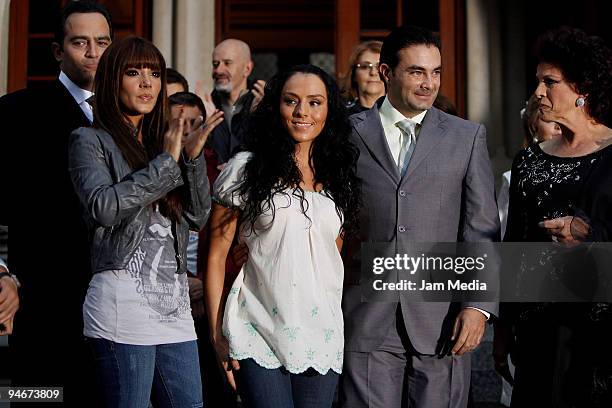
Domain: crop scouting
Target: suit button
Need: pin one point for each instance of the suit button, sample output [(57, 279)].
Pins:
[(402, 193), (401, 228)]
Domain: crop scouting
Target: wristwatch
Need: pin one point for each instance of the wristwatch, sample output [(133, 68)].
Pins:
[(13, 277)]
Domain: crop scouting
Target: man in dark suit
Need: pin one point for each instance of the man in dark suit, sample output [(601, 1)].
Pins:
[(426, 178), (48, 244)]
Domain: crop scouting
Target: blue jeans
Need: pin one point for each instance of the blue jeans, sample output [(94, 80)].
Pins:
[(261, 387), (166, 374)]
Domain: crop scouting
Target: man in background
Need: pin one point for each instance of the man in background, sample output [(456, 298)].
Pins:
[(49, 243), (233, 94)]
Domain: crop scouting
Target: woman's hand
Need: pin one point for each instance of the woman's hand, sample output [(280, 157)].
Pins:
[(173, 137), (195, 137), (560, 230), (228, 364)]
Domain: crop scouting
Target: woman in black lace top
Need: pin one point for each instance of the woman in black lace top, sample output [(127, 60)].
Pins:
[(561, 351), (545, 187)]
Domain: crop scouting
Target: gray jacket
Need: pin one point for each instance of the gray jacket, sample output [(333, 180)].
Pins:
[(117, 201), (446, 195)]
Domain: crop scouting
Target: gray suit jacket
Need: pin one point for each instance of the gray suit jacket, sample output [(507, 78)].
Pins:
[(446, 195)]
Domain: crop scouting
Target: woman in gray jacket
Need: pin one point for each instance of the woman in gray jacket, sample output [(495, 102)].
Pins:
[(142, 185)]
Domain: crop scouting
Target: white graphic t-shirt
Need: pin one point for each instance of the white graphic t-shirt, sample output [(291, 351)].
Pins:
[(148, 302)]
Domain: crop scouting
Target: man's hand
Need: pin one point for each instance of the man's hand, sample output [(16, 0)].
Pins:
[(258, 90), (468, 331), (9, 303)]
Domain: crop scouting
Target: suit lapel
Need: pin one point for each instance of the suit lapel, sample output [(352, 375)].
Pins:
[(431, 135), (70, 110), (371, 132)]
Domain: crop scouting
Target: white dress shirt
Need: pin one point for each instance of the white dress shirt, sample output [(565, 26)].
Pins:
[(389, 117), (80, 95)]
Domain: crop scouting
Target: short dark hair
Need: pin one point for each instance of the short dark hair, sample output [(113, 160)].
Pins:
[(79, 7), (404, 37), (586, 63), (175, 77), (187, 99)]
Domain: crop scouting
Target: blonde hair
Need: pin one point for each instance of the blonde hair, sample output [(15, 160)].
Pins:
[(347, 80)]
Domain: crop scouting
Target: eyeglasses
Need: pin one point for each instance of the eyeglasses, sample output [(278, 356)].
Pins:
[(367, 67)]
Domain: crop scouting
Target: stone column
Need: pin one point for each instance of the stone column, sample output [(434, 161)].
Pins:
[(194, 42), (163, 22), (484, 75), (477, 71)]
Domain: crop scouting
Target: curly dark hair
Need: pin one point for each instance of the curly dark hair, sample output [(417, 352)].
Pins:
[(272, 168), (586, 63)]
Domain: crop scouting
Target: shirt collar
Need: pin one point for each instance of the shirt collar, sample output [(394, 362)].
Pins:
[(79, 94), (391, 116)]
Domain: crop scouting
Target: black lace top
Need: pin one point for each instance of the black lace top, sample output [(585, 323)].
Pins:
[(542, 187)]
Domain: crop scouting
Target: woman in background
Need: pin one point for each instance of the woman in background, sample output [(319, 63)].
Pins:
[(361, 84), (561, 350), (535, 130)]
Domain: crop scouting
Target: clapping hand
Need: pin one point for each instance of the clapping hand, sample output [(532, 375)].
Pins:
[(258, 90), (196, 133), (174, 135)]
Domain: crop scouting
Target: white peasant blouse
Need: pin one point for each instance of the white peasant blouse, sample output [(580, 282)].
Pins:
[(284, 308)]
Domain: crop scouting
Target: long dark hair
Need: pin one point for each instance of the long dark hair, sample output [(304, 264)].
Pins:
[(133, 52), (272, 168)]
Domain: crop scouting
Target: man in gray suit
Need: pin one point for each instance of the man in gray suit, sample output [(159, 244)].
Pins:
[(426, 178)]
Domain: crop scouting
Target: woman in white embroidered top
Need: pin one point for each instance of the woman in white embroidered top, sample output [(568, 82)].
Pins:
[(294, 194)]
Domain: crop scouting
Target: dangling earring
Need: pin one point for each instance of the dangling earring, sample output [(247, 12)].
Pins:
[(580, 102)]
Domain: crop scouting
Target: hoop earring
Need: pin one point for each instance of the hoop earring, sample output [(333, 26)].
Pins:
[(580, 102)]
